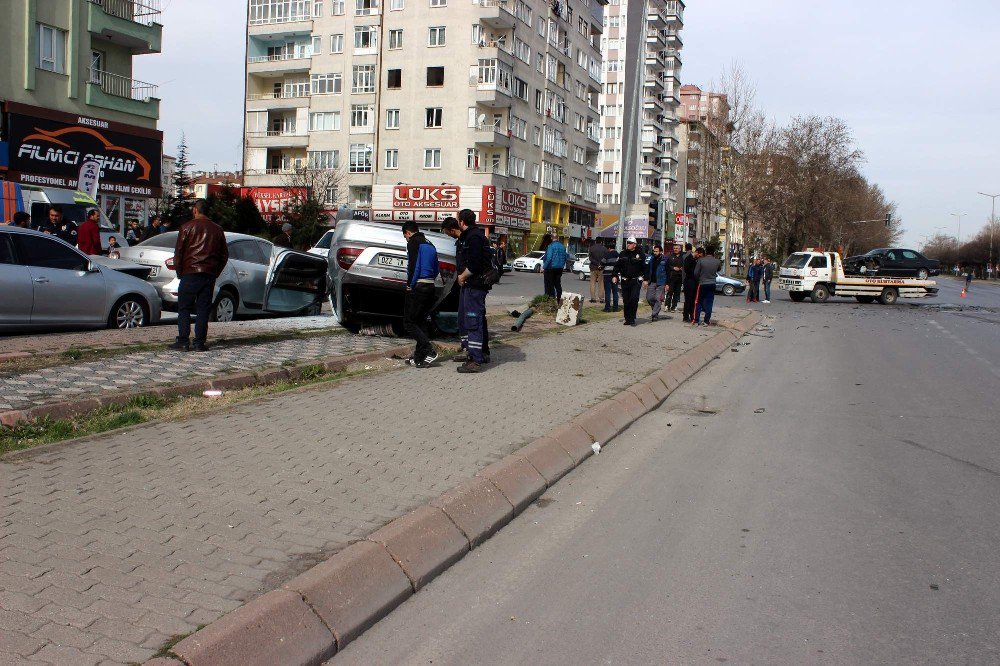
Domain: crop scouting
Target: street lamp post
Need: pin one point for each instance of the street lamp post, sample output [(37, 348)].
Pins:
[(959, 216), (993, 223)]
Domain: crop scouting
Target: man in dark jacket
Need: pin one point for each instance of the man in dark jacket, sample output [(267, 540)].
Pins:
[(473, 256), (284, 239), (675, 278), (597, 252), (88, 237), (754, 274), (629, 271), (690, 283), (656, 281), (610, 286), (768, 276), (421, 273), (706, 270), (200, 256)]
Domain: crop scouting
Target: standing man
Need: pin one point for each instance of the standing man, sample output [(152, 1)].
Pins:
[(88, 237), (754, 274), (690, 282), (473, 258), (22, 220), (553, 263), (675, 278), (768, 276), (199, 256), (628, 272), (656, 281), (705, 271), (421, 273), (155, 228), (610, 286), (597, 252), (63, 228), (284, 239)]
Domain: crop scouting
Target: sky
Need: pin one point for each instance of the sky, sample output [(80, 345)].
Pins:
[(918, 81)]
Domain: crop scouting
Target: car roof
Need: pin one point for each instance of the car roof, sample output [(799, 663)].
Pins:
[(230, 236), (32, 232)]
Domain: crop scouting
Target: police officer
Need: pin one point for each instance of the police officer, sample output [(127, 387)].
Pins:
[(629, 270)]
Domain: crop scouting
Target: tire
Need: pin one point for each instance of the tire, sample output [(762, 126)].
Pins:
[(583, 276), (820, 294), (224, 308), (129, 312), (797, 296), (922, 274), (729, 290), (865, 299), (889, 296), (537, 269)]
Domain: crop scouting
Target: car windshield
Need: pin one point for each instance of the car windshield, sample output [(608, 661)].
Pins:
[(161, 240), (797, 260), (324, 242), (535, 255)]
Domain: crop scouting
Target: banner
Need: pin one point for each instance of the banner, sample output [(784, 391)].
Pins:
[(89, 178), (272, 201)]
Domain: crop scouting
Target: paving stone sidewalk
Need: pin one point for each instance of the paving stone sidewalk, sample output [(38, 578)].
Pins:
[(111, 545)]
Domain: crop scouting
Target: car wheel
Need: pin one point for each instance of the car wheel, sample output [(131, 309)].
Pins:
[(820, 294), (797, 296), (889, 296), (865, 299), (538, 268), (922, 274), (129, 312), (225, 307), (729, 290)]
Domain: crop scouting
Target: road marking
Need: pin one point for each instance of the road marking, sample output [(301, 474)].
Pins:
[(972, 352)]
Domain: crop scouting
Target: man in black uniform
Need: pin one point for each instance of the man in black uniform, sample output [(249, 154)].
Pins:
[(629, 269), (690, 283)]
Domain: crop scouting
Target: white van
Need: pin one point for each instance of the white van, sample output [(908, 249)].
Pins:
[(74, 207)]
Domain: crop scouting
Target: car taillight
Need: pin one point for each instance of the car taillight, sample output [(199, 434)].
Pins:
[(346, 256), (447, 270), (170, 264)]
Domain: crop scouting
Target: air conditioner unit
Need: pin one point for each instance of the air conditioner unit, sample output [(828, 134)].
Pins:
[(572, 198)]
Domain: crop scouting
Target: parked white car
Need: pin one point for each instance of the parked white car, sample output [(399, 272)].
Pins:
[(530, 262), (582, 267), (322, 246)]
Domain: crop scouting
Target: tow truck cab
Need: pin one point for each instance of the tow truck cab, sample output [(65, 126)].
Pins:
[(819, 275)]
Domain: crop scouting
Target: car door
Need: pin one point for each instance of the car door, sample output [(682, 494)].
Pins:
[(251, 271), (911, 261), (64, 290), (15, 286), (295, 281)]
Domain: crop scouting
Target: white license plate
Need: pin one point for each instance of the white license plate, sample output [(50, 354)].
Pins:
[(393, 262), (154, 271)]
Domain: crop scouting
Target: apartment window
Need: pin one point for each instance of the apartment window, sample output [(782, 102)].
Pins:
[(363, 79), (435, 36), (579, 156), (365, 37), (395, 39), (327, 84), (536, 137), (536, 173), (324, 159), (522, 51), (317, 45), (540, 63), (395, 5), (51, 49), (433, 117), (337, 43), (365, 7), (360, 158), (317, 8), (523, 12), (539, 101), (439, 3), (392, 118), (432, 158), (338, 8), (520, 89), (435, 76), (292, 88), (477, 34), (392, 158), (516, 166), (330, 195), (394, 79), (361, 116), (327, 121)]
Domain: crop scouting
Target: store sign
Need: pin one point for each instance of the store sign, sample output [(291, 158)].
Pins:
[(49, 148), (637, 226), (273, 200), (681, 223), (513, 209), (431, 204)]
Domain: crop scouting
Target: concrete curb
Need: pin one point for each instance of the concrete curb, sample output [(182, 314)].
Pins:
[(358, 586)]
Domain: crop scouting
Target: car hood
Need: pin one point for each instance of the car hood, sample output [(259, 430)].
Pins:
[(122, 266)]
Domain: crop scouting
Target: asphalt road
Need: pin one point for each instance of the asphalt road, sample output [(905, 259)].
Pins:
[(826, 494)]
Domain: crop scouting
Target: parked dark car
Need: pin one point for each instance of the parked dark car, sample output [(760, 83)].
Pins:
[(895, 261)]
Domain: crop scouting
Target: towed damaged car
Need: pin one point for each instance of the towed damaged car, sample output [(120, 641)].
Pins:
[(892, 261), (45, 282), (367, 264), (258, 278)]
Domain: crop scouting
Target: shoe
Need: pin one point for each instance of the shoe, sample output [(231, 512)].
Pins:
[(430, 358), (180, 346), (593, 300), (767, 301), (486, 358), (421, 364), (607, 309), (654, 318), (615, 309), (625, 323), (686, 320), (199, 347), (461, 357), (633, 324), (469, 367)]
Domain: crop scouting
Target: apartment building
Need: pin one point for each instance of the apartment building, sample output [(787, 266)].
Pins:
[(68, 94), (425, 106), (703, 142), (638, 156)]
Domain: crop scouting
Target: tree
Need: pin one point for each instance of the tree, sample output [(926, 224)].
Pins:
[(178, 208), (321, 190)]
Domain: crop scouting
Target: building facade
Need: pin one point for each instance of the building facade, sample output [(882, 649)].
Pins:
[(703, 144), (499, 95), (638, 156), (68, 95)]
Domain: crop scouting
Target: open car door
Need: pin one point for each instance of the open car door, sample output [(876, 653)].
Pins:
[(296, 281)]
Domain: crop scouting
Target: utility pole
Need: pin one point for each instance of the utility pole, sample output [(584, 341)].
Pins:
[(993, 223), (959, 216)]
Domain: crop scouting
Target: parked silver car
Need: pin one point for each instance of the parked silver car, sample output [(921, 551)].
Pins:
[(45, 282), (368, 271), (258, 278)]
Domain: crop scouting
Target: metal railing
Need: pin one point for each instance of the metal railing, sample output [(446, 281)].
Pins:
[(273, 133), (144, 12), (122, 86), (253, 97), (279, 57)]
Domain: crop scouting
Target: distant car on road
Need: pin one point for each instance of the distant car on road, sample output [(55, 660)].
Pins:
[(582, 266), (259, 277), (893, 261), (530, 262), (728, 286), (45, 282)]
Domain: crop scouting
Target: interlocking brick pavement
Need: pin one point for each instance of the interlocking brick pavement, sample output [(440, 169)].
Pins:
[(110, 545)]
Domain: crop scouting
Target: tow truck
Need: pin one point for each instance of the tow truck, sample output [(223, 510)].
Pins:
[(820, 275)]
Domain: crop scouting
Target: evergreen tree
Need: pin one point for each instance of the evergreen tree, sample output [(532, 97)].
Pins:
[(179, 201)]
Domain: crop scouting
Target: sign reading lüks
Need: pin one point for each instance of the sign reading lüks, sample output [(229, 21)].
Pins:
[(431, 204)]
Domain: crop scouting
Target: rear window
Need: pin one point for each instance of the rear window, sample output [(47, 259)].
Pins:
[(796, 261), (536, 255), (324, 242), (168, 239)]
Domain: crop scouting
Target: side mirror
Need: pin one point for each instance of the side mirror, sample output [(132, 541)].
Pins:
[(93, 268)]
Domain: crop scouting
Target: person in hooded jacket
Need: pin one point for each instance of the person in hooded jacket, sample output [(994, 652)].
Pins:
[(422, 270)]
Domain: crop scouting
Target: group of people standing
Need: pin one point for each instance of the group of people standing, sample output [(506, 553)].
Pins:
[(760, 271)]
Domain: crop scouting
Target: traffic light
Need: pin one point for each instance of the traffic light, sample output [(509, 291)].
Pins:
[(888, 220), (653, 213)]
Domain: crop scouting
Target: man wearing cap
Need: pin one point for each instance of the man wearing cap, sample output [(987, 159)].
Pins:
[(629, 270), (284, 239)]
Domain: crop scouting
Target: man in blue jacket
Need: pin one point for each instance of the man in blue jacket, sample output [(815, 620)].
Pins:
[(656, 281), (553, 263), (421, 274), (754, 274)]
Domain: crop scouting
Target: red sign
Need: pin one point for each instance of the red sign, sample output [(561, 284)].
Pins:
[(273, 200), (487, 214), (426, 197), (513, 209)]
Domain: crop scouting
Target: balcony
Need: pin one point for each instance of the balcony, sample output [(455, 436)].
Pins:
[(120, 93), (131, 23), (490, 170), (282, 100), (278, 139), (279, 64), (496, 14), (281, 25), (490, 133)]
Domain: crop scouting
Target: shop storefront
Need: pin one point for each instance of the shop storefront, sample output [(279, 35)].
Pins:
[(513, 220), (548, 216), (581, 228), (47, 148), (429, 205)]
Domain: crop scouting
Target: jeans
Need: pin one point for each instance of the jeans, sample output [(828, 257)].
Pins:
[(706, 299), (690, 291), (472, 326), (597, 285), (630, 299), (654, 296), (674, 288), (417, 304), (194, 293), (610, 292), (767, 290), (553, 282)]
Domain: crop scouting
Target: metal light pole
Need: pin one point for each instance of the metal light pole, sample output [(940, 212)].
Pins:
[(959, 216), (993, 223)]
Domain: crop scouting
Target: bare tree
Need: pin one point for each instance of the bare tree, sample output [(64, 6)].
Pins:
[(320, 191)]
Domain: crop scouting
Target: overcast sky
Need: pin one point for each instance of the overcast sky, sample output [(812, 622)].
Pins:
[(917, 80)]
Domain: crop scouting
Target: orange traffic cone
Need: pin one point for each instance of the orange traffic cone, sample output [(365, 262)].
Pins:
[(963, 293)]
